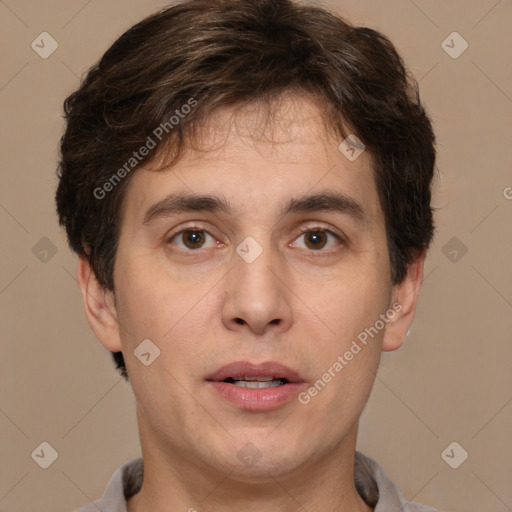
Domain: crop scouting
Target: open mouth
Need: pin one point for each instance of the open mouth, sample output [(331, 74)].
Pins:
[(256, 382), (256, 386)]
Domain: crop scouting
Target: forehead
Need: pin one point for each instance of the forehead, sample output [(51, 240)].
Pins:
[(256, 155)]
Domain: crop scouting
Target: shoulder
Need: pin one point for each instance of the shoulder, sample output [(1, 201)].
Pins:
[(124, 483), (379, 491)]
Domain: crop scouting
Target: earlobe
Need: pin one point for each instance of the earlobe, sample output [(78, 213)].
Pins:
[(99, 306), (405, 294)]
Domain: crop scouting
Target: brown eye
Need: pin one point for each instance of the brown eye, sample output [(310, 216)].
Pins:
[(315, 239), (320, 240), (193, 239), (190, 239)]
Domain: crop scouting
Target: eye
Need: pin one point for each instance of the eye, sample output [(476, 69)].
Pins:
[(317, 239), (191, 239)]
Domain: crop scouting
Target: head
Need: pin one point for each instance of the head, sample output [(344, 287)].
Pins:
[(211, 131)]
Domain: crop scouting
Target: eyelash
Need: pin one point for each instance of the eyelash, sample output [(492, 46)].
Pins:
[(309, 229), (320, 229)]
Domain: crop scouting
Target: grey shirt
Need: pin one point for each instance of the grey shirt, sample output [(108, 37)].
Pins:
[(371, 481)]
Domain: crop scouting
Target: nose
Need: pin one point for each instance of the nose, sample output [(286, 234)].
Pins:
[(257, 297)]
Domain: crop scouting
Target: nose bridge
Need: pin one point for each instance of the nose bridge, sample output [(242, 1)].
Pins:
[(253, 273), (256, 296)]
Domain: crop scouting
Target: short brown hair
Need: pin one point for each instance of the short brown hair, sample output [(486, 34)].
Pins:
[(221, 53)]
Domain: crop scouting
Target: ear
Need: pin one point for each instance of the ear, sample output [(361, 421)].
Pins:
[(404, 300), (99, 306)]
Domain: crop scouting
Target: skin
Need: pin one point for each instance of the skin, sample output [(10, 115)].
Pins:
[(301, 303)]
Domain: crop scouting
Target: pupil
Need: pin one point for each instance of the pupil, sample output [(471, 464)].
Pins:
[(193, 239), (316, 237)]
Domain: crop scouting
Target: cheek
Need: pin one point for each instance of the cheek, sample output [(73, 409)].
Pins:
[(173, 311), (347, 302), (348, 357), (172, 316), (347, 344)]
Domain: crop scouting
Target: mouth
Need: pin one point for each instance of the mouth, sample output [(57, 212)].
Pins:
[(256, 382), (255, 375), (257, 387)]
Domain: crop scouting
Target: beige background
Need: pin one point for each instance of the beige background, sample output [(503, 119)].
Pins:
[(450, 382)]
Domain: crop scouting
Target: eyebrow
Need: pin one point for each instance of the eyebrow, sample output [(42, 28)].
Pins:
[(324, 201)]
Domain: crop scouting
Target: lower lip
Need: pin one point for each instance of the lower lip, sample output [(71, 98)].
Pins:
[(264, 399)]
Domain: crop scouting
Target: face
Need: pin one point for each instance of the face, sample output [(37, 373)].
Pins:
[(262, 257)]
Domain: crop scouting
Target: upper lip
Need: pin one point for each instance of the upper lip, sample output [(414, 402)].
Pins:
[(240, 369)]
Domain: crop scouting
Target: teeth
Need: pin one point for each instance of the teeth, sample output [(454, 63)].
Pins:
[(259, 379), (258, 384)]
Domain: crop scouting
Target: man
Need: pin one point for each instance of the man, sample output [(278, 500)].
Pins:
[(247, 185)]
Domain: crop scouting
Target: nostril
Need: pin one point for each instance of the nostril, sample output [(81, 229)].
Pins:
[(239, 321)]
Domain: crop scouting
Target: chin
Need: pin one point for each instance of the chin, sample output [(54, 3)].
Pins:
[(259, 456), (265, 470)]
